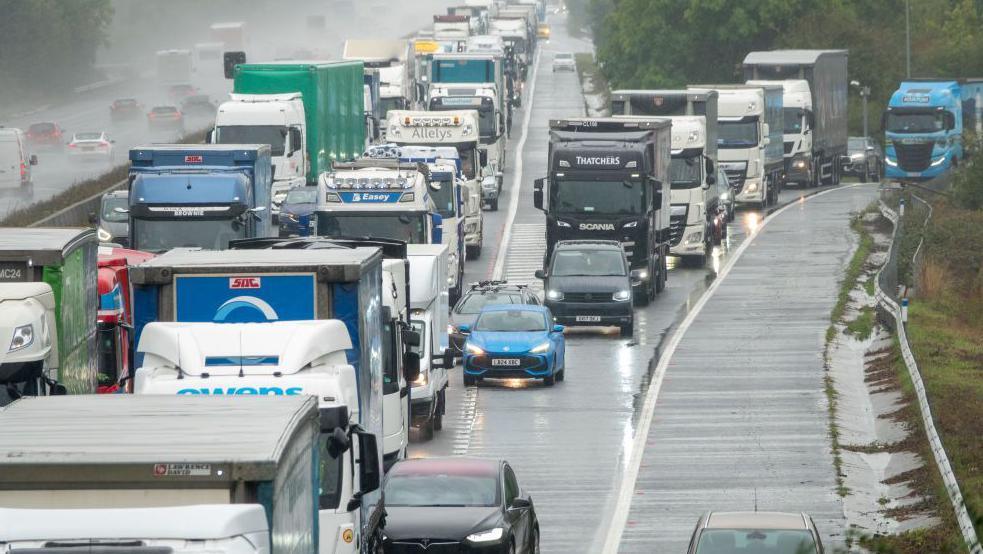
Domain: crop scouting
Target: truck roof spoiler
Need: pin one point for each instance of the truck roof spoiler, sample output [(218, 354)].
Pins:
[(451, 18), (284, 97), (384, 163), (391, 248), (607, 124)]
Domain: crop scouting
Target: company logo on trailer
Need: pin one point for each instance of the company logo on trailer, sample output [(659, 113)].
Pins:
[(596, 227), (599, 160), (244, 391), (194, 159), (245, 309), (244, 282)]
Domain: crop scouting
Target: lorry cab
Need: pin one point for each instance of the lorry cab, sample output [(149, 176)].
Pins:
[(608, 179), (199, 195), (458, 130), (797, 129), (378, 198), (115, 318), (484, 99), (923, 127), (15, 160)]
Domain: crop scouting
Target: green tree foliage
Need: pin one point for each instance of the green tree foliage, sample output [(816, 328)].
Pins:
[(669, 43), (48, 44)]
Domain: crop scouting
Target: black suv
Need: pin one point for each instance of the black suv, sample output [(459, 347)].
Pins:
[(481, 294), (588, 282)]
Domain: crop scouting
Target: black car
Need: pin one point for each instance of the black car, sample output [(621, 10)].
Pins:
[(484, 293), (863, 159), (588, 282), (461, 505)]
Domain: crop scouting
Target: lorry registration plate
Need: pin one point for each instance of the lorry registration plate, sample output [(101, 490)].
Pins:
[(505, 361), (588, 318)]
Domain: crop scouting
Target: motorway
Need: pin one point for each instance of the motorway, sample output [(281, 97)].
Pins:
[(572, 445)]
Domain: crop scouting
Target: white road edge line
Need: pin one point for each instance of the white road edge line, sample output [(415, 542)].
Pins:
[(517, 182), (619, 517)]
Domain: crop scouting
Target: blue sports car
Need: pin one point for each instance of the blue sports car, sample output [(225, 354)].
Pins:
[(514, 341)]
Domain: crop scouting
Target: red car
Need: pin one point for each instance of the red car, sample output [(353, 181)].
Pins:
[(165, 118), (177, 92), (46, 135)]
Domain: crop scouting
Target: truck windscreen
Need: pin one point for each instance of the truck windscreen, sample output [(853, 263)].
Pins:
[(486, 114), (684, 172), (407, 227), (793, 121), (443, 198), (274, 135), (915, 122), (159, 235), (598, 197), (737, 134)]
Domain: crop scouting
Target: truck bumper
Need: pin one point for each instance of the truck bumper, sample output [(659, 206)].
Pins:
[(893, 172), (753, 192), (603, 313)]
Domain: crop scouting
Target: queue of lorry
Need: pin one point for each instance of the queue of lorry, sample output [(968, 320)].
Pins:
[(403, 142)]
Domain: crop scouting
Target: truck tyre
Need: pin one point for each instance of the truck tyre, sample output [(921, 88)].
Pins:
[(661, 277), (628, 329), (863, 176), (473, 251), (427, 429), (493, 205), (438, 415)]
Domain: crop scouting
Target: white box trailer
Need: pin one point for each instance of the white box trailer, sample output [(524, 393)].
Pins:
[(123, 452), (429, 308)]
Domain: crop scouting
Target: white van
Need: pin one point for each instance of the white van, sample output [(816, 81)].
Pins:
[(15, 162)]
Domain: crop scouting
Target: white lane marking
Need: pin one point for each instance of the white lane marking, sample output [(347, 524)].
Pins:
[(462, 439), (619, 518), (517, 182), (526, 255)]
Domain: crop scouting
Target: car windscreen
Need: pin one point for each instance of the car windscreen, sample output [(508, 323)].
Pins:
[(306, 195), (587, 263), (474, 302), (737, 134), (41, 128), (109, 205), (441, 490), (781, 541), (274, 135), (511, 321), (685, 172), (575, 196), (563, 56)]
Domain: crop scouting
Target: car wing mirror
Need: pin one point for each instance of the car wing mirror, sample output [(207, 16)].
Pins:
[(540, 274), (521, 503), (558, 328), (464, 329)]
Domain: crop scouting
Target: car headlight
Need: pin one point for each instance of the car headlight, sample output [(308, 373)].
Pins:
[(752, 187), (890, 162), (622, 295), (724, 195), (23, 337), (540, 348), (640, 274), (490, 535), (473, 349), (857, 157), (104, 235), (554, 295)]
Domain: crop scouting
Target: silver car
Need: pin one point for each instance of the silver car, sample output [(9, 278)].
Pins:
[(564, 61), (736, 532)]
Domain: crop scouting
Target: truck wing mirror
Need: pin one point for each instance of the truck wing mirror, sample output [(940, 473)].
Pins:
[(296, 139), (369, 467), (411, 366), (711, 179), (537, 193), (338, 442), (448, 358), (483, 157), (710, 169), (210, 136), (34, 159), (438, 228), (411, 337), (93, 218), (766, 130)]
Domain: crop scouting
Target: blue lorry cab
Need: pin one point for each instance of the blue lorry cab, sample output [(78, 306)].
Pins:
[(923, 127)]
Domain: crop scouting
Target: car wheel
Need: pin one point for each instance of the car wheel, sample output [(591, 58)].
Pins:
[(549, 380), (493, 205), (534, 547), (470, 381), (628, 329), (864, 174), (561, 375)]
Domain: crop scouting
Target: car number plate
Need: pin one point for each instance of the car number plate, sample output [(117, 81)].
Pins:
[(505, 361), (88, 148), (588, 318)]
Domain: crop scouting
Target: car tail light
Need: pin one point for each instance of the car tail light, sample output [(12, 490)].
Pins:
[(72, 145), (23, 169), (103, 144)]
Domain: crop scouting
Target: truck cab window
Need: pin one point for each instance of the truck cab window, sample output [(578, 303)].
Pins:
[(599, 197), (390, 376), (274, 135), (107, 349), (329, 475), (684, 172)]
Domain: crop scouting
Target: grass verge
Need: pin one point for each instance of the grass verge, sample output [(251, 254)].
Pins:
[(594, 83)]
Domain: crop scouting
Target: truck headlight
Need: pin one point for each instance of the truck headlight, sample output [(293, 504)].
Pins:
[(554, 295), (752, 187), (677, 210), (104, 235), (540, 348), (23, 337), (622, 295), (890, 162), (490, 535), (695, 237), (938, 162), (799, 164)]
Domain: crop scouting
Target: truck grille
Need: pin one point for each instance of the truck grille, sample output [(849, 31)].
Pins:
[(420, 546), (788, 147), (587, 297), (736, 173), (914, 157), (677, 224)]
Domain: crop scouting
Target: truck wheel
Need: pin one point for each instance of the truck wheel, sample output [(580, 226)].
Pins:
[(660, 283), (493, 205), (438, 416), (628, 329), (427, 429), (863, 176), (474, 251)]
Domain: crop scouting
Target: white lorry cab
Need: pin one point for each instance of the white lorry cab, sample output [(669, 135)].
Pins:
[(28, 331), (485, 99), (283, 358), (429, 308), (796, 132), (220, 529), (397, 70), (457, 129), (274, 119), (692, 172)]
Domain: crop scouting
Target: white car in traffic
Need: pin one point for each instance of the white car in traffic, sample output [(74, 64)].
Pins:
[(91, 146), (564, 61)]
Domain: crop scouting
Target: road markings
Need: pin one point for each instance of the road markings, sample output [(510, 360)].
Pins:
[(517, 183), (462, 437), (619, 518), (526, 256)]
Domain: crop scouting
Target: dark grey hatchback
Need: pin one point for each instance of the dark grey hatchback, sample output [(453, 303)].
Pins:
[(587, 282)]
